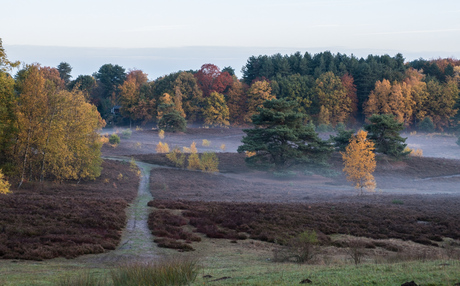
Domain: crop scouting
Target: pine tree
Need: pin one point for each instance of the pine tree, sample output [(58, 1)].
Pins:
[(280, 138), (384, 131)]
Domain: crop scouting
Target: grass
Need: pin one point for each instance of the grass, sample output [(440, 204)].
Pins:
[(428, 273)]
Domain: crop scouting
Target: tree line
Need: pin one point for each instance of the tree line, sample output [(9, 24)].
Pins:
[(329, 89)]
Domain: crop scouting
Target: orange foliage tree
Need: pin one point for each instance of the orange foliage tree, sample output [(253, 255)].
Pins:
[(359, 162)]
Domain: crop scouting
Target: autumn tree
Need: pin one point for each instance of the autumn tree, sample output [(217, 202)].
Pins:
[(191, 96), (135, 103), (4, 185), (441, 106), (216, 111), (165, 105), (57, 135), (8, 126), (391, 98), (280, 138), (359, 162), (332, 95), (258, 93), (211, 79), (236, 102)]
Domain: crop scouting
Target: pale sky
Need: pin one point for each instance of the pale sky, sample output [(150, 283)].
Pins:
[(428, 28)]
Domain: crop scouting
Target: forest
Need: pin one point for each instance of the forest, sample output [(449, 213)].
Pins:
[(329, 88), (44, 110)]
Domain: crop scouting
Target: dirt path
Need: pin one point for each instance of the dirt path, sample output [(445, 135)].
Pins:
[(137, 241)]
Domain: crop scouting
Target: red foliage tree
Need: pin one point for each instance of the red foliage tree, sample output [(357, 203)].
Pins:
[(211, 79)]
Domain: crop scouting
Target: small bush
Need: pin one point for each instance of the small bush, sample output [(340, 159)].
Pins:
[(206, 143), (126, 134), (104, 140), (222, 147), (168, 272), (209, 162), (114, 139), (249, 154), (138, 128), (301, 248), (162, 147), (161, 134), (173, 122), (177, 157), (194, 162), (356, 250), (414, 152)]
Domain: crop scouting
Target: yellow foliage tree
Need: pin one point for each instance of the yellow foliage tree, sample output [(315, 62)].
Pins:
[(258, 93), (359, 162), (194, 162), (216, 111), (162, 147), (209, 162), (4, 185), (177, 157)]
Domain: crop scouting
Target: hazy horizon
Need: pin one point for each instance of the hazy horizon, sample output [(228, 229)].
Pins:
[(157, 62)]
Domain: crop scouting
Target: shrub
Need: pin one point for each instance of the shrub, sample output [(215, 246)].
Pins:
[(206, 143), (138, 128), (4, 185), (114, 139), (162, 147), (104, 140), (222, 147), (301, 248), (414, 152), (177, 157), (194, 162), (356, 250), (173, 122), (209, 162), (161, 134), (126, 134), (169, 272)]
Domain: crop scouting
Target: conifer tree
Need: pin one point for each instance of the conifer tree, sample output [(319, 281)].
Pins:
[(384, 131), (280, 138)]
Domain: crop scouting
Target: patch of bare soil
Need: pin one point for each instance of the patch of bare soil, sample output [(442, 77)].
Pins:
[(42, 221)]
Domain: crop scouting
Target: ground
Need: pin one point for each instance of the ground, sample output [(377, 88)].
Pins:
[(409, 191)]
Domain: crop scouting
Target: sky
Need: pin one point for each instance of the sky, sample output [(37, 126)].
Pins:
[(160, 37)]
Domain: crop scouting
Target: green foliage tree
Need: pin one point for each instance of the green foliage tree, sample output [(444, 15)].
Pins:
[(384, 131), (64, 71), (111, 77), (114, 139), (342, 138), (280, 138), (426, 125), (5, 64), (172, 122)]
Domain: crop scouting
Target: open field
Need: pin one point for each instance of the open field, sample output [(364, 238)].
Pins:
[(408, 229)]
